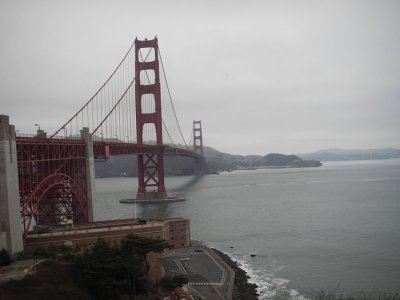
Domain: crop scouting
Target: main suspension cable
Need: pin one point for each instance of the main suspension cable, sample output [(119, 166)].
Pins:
[(87, 103), (120, 99)]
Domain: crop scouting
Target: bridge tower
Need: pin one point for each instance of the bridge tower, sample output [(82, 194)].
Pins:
[(199, 167), (150, 165)]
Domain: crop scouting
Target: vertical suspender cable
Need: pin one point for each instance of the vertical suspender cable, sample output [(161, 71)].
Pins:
[(101, 88), (170, 97)]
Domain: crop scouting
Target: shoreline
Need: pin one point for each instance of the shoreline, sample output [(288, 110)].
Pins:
[(242, 289)]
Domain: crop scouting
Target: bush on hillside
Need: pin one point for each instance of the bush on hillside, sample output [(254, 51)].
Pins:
[(180, 280)]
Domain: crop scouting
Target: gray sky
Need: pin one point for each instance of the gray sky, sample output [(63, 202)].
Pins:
[(263, 76)]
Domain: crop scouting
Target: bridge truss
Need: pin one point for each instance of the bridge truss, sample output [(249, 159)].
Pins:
[(52, 181)]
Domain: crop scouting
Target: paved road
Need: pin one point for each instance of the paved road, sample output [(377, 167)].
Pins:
[(19, 269), (205, 273)]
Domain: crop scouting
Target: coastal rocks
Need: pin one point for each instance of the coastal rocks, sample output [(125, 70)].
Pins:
[(242, 290)]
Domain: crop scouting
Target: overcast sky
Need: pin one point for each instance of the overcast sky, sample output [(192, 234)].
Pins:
[(262, 76)]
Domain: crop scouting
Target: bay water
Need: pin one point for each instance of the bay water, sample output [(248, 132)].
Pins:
[(336, 227)]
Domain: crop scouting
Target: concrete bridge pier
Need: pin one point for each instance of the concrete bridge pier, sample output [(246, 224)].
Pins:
[(10, 212), (90, 172)]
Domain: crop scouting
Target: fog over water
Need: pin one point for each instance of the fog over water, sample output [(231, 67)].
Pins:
[(311, 228)]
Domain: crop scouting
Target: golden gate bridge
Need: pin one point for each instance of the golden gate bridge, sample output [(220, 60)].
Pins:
[(52, 175)]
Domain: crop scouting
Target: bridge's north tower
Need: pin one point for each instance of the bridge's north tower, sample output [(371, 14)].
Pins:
[(199, 167), (150, 166)]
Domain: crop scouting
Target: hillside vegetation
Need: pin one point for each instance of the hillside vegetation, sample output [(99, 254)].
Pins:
[(99, 272)]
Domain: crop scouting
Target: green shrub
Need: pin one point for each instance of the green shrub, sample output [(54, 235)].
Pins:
[(180, 280), (40, 252), (167, 283), (52, 251)]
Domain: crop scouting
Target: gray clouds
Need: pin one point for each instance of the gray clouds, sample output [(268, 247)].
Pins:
[(263, 76)]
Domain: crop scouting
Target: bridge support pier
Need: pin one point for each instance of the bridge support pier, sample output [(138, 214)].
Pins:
[(10, 212), (90, 172)]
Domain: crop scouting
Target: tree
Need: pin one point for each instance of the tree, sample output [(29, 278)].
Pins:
[(133, 244), (141, 245), (112, 272), (180, 280), (40, 252), (5, 258), (116, 272), (103, 271), (167, 282)]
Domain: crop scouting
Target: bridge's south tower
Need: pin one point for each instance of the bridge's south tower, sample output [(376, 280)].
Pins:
[(150, 165)]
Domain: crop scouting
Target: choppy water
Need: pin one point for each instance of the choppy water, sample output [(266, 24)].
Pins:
[(336, 226)]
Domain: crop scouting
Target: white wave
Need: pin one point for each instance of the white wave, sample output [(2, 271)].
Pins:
[(353, 180), (379, 179), (268, 284), (296, 295)]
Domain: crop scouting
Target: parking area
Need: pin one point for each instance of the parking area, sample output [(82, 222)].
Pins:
[(208, 275)]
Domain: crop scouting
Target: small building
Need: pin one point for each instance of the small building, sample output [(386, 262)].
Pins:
[(175, 231)]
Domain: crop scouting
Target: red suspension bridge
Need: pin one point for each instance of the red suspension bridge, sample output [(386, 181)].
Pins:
[(129, 114)]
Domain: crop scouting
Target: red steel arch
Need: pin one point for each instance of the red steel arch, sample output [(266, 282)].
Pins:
[(52, 181), (72, 203)]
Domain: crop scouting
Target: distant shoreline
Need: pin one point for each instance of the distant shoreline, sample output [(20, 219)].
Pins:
[(286, 167)]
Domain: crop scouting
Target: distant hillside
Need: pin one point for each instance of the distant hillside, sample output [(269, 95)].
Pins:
[(354, 154), (216, 161), (281, 160)]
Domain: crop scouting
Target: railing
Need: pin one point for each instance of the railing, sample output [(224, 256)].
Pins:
[(35, 136), (111, 146)]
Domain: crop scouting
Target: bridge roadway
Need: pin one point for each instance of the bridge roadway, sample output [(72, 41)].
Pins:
[(208, 275), (105, 149)]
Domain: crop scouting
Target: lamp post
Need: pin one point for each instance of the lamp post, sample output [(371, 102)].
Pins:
[(101, 136), (127, 139), (38, 126)]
